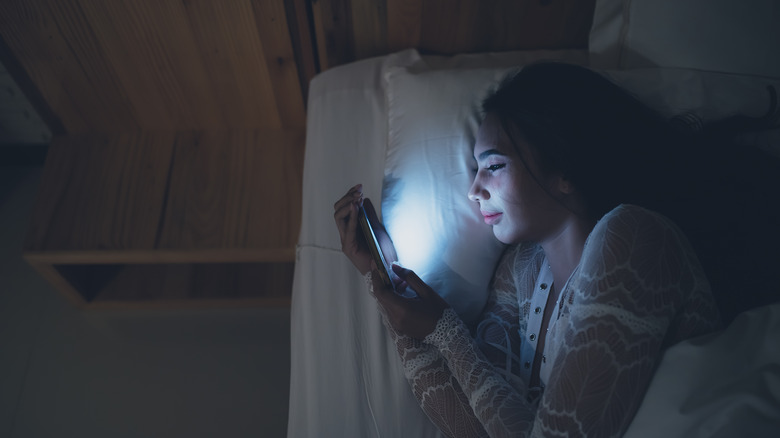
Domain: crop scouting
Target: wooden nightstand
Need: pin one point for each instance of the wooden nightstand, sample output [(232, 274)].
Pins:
[(170, 219)]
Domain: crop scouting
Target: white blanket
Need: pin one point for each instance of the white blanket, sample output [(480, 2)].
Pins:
[(722, 385)]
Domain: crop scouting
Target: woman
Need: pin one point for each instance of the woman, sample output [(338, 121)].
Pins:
[(591, 291)]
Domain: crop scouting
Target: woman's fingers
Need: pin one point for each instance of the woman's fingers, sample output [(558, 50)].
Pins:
[(413, 281), (345, 213), (354, 194), (386, 296), (346, 216), (352, 222), (416, 317), (342, 214)]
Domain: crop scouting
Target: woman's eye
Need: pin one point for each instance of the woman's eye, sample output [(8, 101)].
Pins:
[(494, 167)]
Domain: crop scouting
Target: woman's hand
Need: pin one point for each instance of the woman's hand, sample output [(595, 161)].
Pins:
[(353, 245), (414, 317)]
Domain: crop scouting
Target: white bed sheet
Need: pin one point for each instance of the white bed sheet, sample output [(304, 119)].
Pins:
[(345, 375)]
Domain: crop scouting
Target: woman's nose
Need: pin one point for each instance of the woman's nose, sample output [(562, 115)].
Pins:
[(477, 192)]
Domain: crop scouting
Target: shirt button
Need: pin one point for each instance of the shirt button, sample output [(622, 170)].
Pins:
[(543, 286), (527, 365), (544, 358), (538, 310), (532, 337)]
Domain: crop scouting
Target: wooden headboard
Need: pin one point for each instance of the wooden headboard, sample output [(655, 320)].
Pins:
[(349, 30)]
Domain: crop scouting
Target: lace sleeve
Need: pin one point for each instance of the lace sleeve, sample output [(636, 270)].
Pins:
[(435, 388), (434, 385), (638, 287), (484, 369)]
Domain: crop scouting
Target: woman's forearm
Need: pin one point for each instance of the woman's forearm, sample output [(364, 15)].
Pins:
[(435, 388), (501, 408)]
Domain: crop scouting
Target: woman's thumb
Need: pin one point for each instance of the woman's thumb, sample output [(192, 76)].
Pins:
[(411, 279)]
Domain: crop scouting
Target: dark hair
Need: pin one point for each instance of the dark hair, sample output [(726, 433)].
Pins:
[(614, 149), (603, 139)]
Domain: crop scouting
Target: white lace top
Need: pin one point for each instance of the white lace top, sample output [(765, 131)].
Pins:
[(637, 290)]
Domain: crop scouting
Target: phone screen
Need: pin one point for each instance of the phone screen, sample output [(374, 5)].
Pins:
[(374, 248)]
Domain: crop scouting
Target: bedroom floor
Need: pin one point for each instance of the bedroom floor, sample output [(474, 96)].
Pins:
[(65, 372)]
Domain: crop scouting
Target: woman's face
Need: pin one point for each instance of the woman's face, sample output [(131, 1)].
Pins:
[(519, 207)]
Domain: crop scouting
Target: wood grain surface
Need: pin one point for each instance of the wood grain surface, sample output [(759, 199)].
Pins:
[(180, 285), (101, 192), (124, 65), (351, 30), (234, 190), (215, 192), (156, 219)]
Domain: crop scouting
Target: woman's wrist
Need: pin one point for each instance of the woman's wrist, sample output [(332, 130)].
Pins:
[(447, 327)]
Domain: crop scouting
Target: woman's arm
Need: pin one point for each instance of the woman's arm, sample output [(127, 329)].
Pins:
[(638, 279), (637, 284), (497, 347), (435, 388)]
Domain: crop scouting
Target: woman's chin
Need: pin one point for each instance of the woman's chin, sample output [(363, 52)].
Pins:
[(503, 236)]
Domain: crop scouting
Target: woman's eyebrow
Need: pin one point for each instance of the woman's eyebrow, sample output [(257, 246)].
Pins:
[(488, 153)]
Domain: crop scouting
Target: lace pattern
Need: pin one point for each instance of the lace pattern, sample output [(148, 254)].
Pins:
[(638, 289), (446, 328)]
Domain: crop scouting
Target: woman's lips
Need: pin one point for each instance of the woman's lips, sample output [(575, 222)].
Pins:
[(491, 217)]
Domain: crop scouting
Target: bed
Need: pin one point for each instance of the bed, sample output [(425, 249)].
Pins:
[(403, 124)]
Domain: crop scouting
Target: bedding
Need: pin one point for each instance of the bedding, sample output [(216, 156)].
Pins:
[(721, 385), (433, 116), (389, 119), (343, 379), (346, 378), (727, 36)]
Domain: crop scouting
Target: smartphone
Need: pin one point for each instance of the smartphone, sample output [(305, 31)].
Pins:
[(374, 247)]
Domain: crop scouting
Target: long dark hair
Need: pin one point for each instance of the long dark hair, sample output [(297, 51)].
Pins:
[(614, 149), (604, 140)]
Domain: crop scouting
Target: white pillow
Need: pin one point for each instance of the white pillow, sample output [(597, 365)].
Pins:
[(732, 36), (712, 96), (433, 109), (709, 95)]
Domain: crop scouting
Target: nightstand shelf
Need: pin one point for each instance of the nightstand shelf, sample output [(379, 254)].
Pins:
[(164, 219)]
